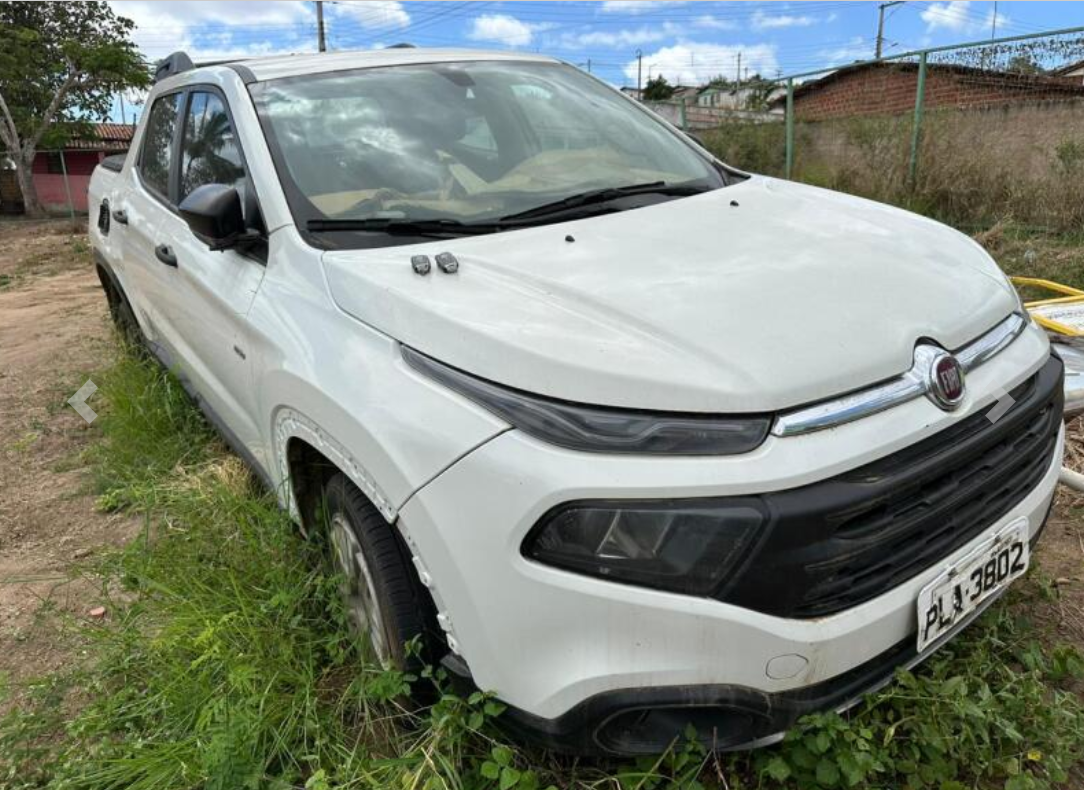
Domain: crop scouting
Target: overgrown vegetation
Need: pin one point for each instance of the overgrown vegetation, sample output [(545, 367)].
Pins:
[(225, 663), (975, 167)]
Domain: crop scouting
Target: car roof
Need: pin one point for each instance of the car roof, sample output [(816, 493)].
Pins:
[(279, 66)]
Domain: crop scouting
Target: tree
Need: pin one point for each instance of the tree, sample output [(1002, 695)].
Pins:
[(658, 89), (719, 82), (1023, 63), (60, 64), (758, 92)]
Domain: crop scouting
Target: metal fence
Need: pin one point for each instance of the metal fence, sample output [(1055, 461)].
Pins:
[(972, 133), (61, 178)]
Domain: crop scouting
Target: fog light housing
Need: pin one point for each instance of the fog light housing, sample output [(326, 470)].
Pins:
[(686, 546)]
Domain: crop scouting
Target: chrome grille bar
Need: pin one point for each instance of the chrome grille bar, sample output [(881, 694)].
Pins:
[(906, 387)]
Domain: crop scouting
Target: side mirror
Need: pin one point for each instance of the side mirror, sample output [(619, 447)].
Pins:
[(696, 139), (213, 212)]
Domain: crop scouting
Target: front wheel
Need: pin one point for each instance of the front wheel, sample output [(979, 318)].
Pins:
[(384, 600)]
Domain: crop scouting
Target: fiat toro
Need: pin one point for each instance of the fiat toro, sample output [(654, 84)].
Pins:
[(625, 435)]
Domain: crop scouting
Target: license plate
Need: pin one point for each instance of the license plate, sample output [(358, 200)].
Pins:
[(949, 598)]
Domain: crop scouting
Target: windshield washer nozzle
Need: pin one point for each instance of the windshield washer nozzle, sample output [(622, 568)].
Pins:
[(447, 263)]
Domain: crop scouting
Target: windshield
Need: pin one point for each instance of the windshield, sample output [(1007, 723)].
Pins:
[(469, 142)]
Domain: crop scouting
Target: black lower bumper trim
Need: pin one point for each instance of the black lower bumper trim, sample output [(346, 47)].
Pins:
[(639, 721)]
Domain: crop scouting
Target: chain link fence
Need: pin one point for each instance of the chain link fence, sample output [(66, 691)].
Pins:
[(972, 134)]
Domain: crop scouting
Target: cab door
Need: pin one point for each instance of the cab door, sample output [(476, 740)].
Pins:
[(140, 210), (205, 317)]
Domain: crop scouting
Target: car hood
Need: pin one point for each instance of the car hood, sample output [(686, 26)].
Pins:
[(757, 297)]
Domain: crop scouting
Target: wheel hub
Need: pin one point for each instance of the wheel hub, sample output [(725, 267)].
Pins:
[(359, 595)]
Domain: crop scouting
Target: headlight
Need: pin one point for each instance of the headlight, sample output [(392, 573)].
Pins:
[(600, 429), (685, 546)]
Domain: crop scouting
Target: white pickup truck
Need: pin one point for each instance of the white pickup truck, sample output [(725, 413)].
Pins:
[(627, 436)]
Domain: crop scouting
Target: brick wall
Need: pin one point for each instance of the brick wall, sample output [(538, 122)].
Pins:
[(889, 89)]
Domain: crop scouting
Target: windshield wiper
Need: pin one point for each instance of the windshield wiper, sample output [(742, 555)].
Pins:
[(404, 227), (452, 227), (596, 196)]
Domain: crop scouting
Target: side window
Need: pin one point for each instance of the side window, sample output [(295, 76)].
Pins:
[(154, 162), (209, 151)]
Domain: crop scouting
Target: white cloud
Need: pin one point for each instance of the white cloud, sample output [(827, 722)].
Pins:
[(714, 23), (855, 49), (952, 15), (636, 6), (237, 29), (505, 29), (762, 21), (628, 37), (212, 31), (372, 13), (956, 16), (694, 64), (644, 34)]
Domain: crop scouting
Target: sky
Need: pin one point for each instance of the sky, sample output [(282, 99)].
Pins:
[(687, 42)]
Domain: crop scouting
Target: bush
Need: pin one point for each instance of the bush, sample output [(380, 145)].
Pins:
[(973, 171)]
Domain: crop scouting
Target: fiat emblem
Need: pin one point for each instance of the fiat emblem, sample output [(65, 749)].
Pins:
[(946, 381)]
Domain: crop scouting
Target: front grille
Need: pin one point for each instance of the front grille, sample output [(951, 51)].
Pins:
[(840, 542)]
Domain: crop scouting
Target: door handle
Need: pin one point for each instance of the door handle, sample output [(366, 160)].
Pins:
[(120, 215), (164, 253)]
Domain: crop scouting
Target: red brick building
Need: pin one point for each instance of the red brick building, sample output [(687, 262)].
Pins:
[(81, 156), (888, 88)]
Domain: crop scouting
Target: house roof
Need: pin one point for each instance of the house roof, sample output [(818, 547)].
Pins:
[(106, 137), (1066, 70)]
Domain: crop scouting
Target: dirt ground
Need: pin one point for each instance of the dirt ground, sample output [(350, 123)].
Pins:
[(54, 330)]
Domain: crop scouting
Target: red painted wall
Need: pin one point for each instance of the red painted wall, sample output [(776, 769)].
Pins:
[(51, 191)]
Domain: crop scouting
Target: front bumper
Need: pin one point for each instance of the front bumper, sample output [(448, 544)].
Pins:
[(569, 653), (726, 717)]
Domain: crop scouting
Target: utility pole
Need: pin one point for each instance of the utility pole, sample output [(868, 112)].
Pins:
[(589, 65), (321, 42), (738, 80), (123, 120), (993, 22), (639, 75), (881, 25)]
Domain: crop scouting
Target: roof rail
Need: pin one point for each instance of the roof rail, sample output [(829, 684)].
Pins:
[(172, 64), (403, 45)]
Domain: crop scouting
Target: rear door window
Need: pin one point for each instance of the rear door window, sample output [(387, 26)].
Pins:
[(157, 155)]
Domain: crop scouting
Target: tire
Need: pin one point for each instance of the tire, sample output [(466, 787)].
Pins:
[(128, 326), (384, 599), (123, 317)]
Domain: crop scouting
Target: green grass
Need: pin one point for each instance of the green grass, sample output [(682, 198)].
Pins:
[(1032, 253), (225, 663)]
